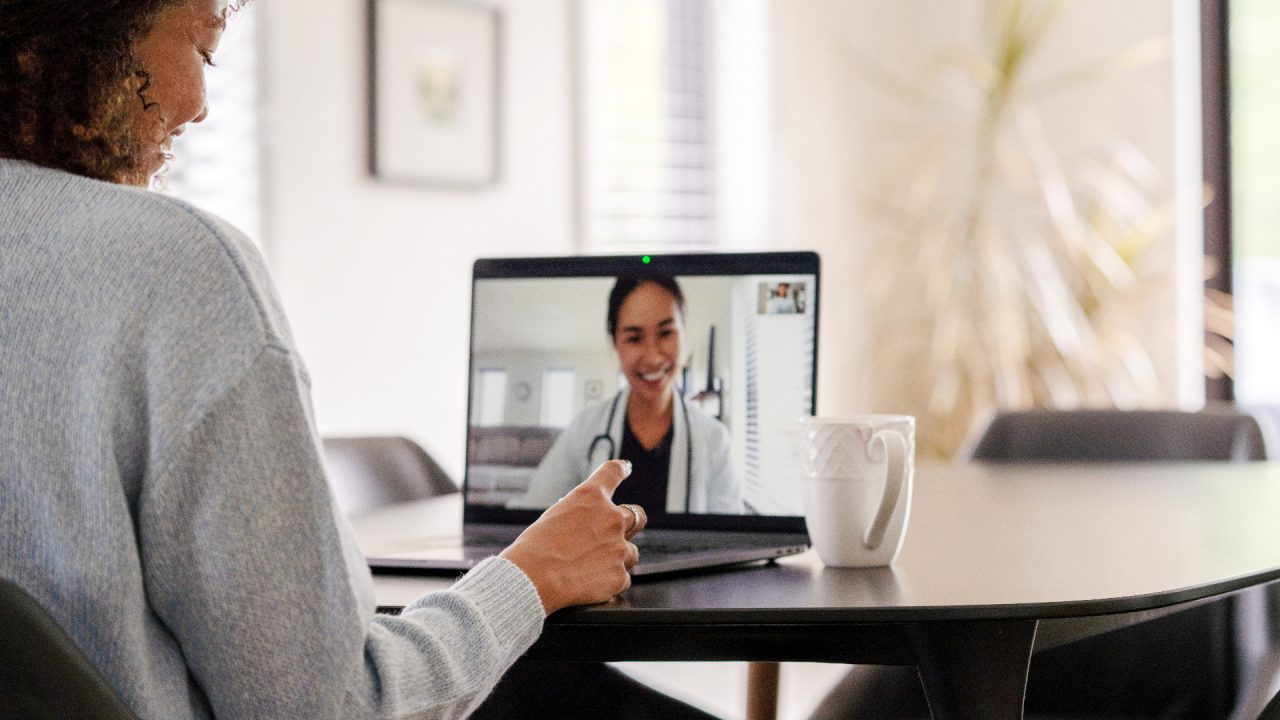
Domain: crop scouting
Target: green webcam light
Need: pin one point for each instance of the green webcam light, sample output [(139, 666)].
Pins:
[(646, 259)]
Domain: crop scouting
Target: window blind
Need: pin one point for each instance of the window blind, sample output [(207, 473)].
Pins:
[(646, 157)]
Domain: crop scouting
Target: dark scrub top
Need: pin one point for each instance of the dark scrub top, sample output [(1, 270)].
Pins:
[(647, 484)]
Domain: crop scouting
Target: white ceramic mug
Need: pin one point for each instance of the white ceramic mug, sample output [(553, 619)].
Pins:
[(858, 474)]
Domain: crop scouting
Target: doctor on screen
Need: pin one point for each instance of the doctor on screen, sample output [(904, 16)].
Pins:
[(679, 454)]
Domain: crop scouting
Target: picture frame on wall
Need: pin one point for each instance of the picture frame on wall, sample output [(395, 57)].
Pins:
[(434, 91)]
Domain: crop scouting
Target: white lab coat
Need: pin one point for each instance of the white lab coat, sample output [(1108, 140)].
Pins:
[(714, 488)]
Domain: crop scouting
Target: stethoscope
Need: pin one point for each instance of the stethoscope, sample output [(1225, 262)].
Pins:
[(612, 447)]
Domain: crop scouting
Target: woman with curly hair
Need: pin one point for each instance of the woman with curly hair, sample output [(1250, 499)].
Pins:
[(161, 489), (73, 96)]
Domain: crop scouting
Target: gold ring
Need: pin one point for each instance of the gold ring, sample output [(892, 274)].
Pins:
[(635, 517)]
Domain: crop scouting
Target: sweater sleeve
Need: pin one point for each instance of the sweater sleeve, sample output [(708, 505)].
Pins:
[(251, 568)]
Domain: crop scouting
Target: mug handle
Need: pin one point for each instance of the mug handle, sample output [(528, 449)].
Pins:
[(895, 447)]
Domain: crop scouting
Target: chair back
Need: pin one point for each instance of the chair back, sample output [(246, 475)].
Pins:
[(367, 473), (43, 674), (1122, 435)]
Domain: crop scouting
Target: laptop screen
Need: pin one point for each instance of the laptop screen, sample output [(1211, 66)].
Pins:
[(695, 368)]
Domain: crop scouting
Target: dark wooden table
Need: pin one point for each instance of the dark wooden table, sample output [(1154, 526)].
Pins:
[(998, 561)]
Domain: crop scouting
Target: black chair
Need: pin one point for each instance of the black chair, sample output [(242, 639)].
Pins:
[(43, 674), (1182, 665), (1198, 673), (1121, 435), (367, 473)]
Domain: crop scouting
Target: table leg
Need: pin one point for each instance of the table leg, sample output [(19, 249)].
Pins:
[(762, 690), (975, 669)]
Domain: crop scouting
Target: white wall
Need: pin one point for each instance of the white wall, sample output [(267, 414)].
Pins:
[(376, 277)]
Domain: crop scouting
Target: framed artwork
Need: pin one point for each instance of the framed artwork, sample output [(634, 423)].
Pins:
[(434, 92)]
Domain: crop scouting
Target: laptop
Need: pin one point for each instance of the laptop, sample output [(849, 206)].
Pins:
[(548, 398)]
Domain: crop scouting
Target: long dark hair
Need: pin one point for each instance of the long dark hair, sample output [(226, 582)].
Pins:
[(626, 284), (71, 89)]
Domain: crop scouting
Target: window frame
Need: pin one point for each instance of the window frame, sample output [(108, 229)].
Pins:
[(1215, 97)]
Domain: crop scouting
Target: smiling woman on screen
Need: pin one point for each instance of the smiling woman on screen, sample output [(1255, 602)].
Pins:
[(680, 455)]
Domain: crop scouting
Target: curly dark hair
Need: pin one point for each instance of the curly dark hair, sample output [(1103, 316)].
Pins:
[(71, 89)]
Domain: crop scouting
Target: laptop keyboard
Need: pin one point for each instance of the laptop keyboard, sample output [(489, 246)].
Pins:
[(656, 545), (667, 545), (485, 540)]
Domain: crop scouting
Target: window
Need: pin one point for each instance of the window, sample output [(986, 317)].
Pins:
[(217, 163), (557, 397), (646, 161), (674, 124), (1254, 45), (491, 397)]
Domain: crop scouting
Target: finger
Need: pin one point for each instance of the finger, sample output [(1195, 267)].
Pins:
[(609, 476), (642, 519), (630, 519), (633, 519), (632, 556)]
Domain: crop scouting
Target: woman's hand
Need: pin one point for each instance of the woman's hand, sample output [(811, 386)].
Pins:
[(580, 550)]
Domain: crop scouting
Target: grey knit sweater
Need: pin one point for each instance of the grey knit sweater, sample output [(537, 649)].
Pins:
[(161, 491)]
